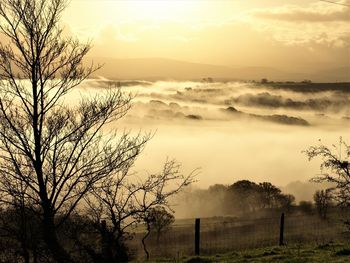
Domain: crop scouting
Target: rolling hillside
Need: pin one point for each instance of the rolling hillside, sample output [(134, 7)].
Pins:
[(159, 68)]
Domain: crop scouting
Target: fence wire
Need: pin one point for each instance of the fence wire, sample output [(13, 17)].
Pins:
[(222, 235)]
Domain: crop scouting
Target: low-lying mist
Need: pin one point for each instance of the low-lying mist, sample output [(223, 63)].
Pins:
[(235, 130)]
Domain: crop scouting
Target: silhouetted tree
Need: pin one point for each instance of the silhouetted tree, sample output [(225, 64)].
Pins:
[(20, 234), (161, 220), (305, 207), (125, 202), (306, 81), (269, 195), (322, 199), (286, 201), (57, 151), (244, 195), (335, 169)]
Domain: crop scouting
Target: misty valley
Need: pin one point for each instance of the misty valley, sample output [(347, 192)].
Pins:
[(224, 126), (174, 131)]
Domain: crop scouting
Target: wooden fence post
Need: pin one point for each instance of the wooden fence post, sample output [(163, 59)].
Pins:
[(281, 243), (197, 236)]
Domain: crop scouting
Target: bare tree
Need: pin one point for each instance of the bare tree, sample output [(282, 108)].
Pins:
[(124, 201), (161, 220), (58, 152), (286, 201), (335, 169), (322, 199)]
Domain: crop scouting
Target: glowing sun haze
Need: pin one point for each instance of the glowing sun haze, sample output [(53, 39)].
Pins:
[(295, 35)]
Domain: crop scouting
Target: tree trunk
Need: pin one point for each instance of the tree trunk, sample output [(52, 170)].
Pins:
[(23, 231), (35, 256), (144, 241), (106, 244), (158, 237), (50, 236), (26, 256)]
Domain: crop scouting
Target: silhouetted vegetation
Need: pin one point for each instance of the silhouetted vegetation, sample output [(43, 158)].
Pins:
[(67, 193), (65, 176), (323, 201), (306, 207), (312, 87), (270, 100), (239, 198), (160, 221), (335, 169)]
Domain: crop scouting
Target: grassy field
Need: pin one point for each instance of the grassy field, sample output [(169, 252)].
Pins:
[(223, 235), (331, 252)]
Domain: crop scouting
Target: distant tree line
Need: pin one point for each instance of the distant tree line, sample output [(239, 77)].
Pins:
[(241, 197), (266, 81), (245, 197), (248, 196)]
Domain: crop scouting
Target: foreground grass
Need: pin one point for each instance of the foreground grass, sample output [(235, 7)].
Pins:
[(290, 254)]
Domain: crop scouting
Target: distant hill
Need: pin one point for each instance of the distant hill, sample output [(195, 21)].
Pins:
[(159, 68), (341, 74)]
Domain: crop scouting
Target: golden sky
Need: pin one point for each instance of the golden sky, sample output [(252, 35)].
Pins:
[(291, 34)]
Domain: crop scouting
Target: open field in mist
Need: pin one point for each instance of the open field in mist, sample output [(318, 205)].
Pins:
[(235, 130), (230, 234)]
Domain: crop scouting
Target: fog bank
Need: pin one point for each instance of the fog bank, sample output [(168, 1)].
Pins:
[(234, 130)]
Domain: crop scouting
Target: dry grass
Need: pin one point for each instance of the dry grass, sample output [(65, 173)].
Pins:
[(221, 235)]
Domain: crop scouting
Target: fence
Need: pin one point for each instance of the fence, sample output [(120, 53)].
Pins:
[(220, 235)]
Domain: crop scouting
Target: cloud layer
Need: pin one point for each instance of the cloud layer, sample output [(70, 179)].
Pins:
[(315, 13), (299, 36)]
